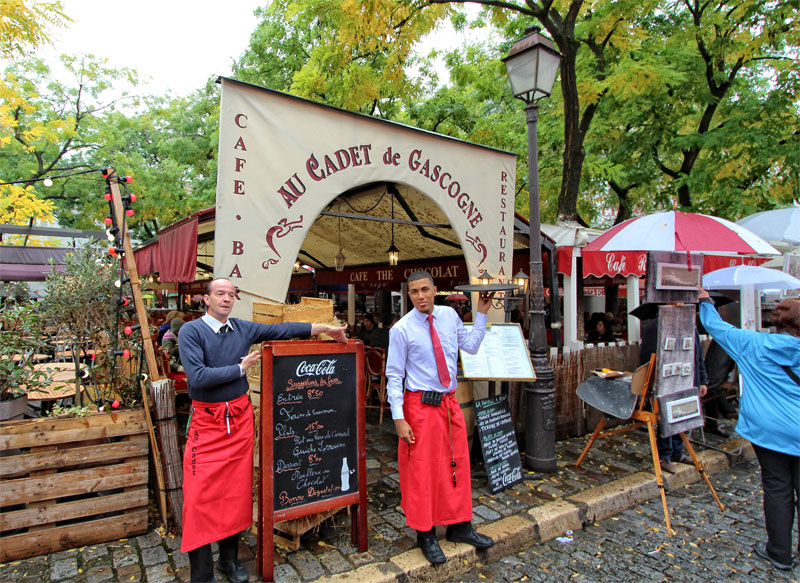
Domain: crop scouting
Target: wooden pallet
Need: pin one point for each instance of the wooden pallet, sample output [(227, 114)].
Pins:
[(288, 532), (66, 483)]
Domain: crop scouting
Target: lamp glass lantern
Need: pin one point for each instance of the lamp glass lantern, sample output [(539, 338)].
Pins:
[(484, 278), (394, 252), (339, 259), (522, 279), (532, 65)]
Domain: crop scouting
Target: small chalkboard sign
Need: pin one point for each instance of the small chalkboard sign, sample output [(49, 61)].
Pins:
[(498, 442), (313, 446)]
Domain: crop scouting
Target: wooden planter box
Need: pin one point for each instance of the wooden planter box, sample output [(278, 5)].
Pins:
[(66, 483)]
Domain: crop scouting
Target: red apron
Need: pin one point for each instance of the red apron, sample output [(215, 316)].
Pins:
[(217, 472), (428, 494)]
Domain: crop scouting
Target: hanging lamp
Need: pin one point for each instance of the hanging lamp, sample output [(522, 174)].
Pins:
[(394, 252), (339, 259)]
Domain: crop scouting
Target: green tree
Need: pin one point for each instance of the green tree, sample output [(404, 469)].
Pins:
[(709, 118), (24, 24)]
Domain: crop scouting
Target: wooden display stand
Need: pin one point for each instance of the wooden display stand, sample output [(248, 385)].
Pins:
[(670, 371), (312, 442), (311, 310)]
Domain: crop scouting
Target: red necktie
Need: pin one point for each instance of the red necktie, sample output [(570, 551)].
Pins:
[(441, 363)]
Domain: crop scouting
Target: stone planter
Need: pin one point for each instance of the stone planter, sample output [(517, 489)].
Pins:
[(70, 482), (13, 409)]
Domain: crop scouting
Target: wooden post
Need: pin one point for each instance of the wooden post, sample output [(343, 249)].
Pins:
[(152, 367)]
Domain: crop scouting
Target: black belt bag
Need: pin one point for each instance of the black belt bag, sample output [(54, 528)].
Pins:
[(433, 398)]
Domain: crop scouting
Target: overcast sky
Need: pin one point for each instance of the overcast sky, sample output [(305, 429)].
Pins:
[(178, 43)]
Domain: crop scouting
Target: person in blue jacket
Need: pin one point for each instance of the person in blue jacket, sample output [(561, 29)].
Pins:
[(769, 414)]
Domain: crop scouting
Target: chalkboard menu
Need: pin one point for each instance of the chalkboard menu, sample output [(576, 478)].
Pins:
[(313, 452), (498, 442), (315, 449)]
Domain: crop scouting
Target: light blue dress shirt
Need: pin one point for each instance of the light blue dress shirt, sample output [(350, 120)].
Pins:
[(411, 352)]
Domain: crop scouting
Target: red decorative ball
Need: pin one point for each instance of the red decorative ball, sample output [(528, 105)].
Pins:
[(128, 330), (127, 179), (108, 220), (115, 404), (126, 353), (133, 198), (129, 212), (107, 196), (112, 251)]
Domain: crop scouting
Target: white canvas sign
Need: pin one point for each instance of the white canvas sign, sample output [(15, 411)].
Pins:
[(283, 159)]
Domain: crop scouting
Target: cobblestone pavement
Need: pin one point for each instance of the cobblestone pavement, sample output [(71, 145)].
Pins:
[(327, 550), (709, 545)]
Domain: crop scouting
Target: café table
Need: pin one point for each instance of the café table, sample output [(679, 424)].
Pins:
[(63, 382)]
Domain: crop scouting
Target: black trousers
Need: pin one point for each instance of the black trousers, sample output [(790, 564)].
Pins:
[(780, 479), (201, 562)]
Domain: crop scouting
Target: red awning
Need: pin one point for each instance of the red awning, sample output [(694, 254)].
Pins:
[(714, 262), (177, 251), (600, 263), (147, 259)]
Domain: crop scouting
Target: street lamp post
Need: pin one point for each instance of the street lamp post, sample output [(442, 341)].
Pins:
[(532, 65)]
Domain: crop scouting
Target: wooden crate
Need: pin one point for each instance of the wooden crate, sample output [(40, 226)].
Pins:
[(312, 310), (66, 483)]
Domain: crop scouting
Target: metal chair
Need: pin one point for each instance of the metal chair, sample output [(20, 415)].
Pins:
[(375, 377)]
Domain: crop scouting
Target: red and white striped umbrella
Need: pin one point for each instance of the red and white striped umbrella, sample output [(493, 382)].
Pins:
[(680, 231)]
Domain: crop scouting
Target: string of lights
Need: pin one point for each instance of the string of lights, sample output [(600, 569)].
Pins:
[(48, 180)]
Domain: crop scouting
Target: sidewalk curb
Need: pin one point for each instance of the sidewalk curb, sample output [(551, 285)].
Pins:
[(543, 523)]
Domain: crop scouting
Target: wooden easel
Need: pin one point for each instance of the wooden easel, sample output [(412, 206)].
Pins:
[(650, 419)]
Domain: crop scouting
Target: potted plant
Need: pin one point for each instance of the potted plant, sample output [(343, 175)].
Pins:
[(87, 305), (21, 329)]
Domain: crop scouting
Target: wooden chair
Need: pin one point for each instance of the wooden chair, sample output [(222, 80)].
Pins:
[(613, 399), (375, 377), (179, 378)]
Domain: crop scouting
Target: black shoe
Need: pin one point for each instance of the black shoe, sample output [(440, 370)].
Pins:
[(430, 547), (717, 430), (234, 570), (684, 459), (761, 551), (463, 532)]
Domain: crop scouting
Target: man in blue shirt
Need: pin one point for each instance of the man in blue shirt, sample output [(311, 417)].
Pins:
[(218, 459), (433, 456)]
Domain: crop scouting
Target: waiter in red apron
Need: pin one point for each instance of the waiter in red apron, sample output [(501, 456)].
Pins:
[(433, 455), (218, 460)]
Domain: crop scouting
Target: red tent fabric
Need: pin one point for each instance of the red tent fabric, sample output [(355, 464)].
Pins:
[(177, 251)]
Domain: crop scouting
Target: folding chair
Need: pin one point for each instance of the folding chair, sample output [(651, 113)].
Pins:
[(375, 377)]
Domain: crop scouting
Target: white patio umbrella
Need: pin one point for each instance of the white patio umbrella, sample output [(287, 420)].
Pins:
[(739, 276), (777, 225)]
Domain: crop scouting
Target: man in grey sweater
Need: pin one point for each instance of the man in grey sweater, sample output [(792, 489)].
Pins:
[(218, 459)]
